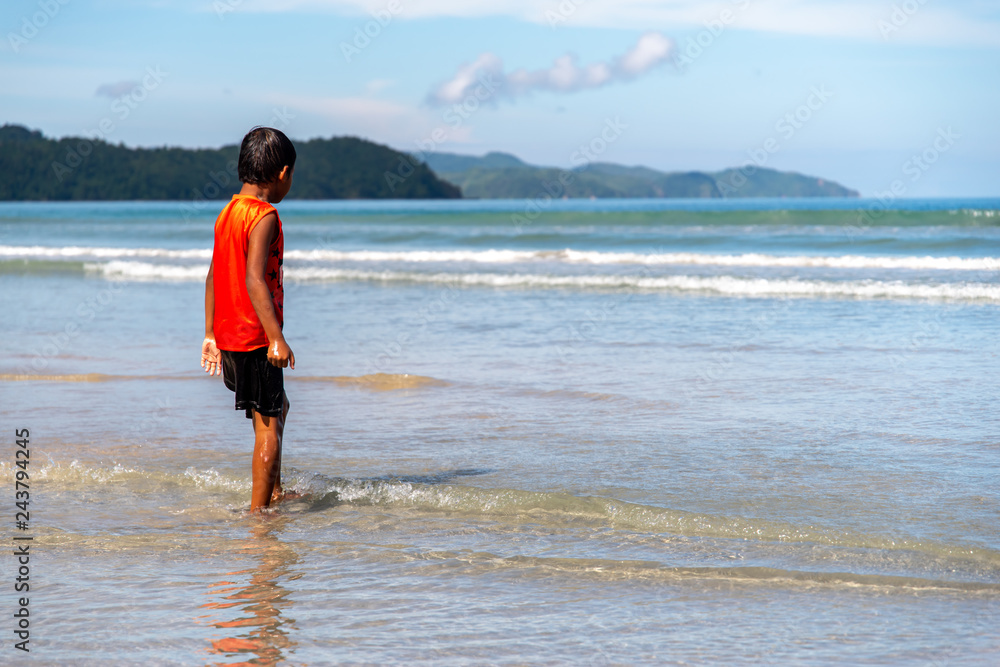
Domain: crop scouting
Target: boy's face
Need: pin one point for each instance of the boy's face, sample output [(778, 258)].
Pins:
[(284, 184)]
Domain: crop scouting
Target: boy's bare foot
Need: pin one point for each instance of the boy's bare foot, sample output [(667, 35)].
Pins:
[(279, 494)]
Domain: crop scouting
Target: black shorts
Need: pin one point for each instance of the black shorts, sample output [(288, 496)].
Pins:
[(259, 386)]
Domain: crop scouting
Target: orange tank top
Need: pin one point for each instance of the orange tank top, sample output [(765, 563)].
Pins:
[(237, 327)]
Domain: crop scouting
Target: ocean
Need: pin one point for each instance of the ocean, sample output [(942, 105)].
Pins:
[(605, 432)]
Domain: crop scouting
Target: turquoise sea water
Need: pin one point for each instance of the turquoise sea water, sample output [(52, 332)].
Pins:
[(583, 432)]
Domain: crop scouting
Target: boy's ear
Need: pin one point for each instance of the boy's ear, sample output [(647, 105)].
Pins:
[(285, 173)]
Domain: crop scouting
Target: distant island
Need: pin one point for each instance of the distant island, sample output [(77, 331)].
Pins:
[(501, 175), (34, 167)]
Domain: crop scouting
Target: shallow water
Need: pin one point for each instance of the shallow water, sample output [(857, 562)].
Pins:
[(621, 434)]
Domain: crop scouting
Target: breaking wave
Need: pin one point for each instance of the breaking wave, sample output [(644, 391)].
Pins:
[(710, 285)]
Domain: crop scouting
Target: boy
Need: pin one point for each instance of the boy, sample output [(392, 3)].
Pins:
[(244, 300)]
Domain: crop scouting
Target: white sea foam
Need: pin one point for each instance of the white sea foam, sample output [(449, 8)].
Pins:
[(755, 259), (522, 256), (146, 271), (421, 256), (677, 258), (720, 285), (82, 252)]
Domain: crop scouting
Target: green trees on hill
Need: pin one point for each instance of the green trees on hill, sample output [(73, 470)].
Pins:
[(33, 167), (352, 168), (499, 175)]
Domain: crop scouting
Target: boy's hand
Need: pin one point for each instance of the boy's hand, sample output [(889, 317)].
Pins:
[(280, 355), (211, 358)]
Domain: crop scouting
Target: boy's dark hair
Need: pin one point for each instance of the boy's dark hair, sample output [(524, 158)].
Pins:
[(263, 153)]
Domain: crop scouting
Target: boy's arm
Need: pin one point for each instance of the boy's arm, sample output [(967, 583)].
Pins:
[(278, 352), (210, 357)]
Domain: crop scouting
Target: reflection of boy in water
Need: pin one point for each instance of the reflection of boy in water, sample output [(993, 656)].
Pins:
[(263, 600), (244, 302)]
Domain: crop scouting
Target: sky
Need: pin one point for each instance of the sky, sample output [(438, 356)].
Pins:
[(895, 96)]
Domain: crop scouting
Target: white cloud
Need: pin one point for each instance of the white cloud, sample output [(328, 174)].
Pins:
[(467, 78), (564, 76), (651, 49), (958, 23), (116, 90)]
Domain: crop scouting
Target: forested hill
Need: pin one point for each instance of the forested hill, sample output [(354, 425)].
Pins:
[(33, 167), (501, 175)]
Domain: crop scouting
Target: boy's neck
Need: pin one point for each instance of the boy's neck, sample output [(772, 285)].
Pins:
[(262, 192)]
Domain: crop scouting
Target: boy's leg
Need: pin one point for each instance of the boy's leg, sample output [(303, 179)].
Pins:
[(266, 467), (266, 460), (278, 493)]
